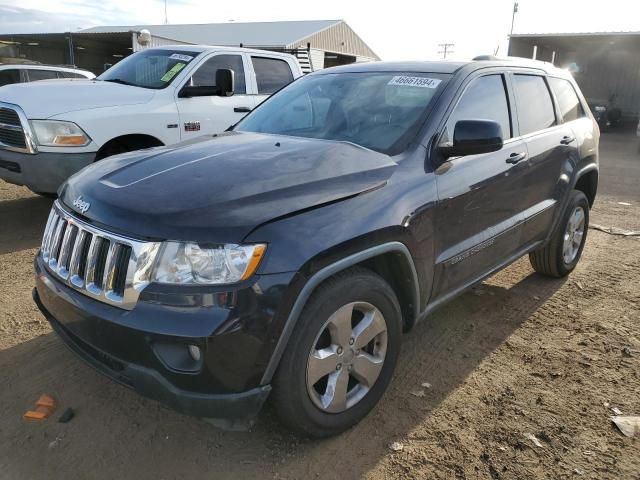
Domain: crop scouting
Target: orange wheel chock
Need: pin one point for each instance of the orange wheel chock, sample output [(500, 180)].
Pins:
[(45, 406)]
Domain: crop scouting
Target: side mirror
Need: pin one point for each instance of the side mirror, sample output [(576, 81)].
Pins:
[(473, 137), (225, 84)]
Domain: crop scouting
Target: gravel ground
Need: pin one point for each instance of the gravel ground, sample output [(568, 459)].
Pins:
[(516, 357)]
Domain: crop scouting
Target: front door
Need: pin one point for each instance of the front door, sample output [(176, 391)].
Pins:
[(214, 114), (479, 214)]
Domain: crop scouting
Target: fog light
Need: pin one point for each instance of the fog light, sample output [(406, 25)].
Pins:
[(195, 352)]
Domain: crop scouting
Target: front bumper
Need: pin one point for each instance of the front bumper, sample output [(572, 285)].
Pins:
[(41, 172), (139, 348)]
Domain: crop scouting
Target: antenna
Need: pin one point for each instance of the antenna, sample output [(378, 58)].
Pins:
[(446, 49), (166, 19)]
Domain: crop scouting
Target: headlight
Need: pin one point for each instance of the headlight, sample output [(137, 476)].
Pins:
[(189, 263), (55, 133)]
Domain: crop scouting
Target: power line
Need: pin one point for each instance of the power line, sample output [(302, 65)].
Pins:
[(446, 49)]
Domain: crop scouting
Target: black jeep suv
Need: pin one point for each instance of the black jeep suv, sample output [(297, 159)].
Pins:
[(287, 256)]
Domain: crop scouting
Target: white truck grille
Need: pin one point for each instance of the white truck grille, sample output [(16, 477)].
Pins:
[(15, 133), (110, 268)]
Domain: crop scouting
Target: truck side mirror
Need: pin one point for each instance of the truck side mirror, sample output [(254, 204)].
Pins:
[(225, 82), (473, 137)]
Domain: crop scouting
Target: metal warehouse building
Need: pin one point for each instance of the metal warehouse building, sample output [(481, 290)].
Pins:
[(316, 43), (605, 65)]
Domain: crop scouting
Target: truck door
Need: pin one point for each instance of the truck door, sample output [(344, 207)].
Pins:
[(214, 114), (479, 214)]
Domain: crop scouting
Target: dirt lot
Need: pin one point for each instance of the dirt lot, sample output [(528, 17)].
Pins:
[(518, 355)]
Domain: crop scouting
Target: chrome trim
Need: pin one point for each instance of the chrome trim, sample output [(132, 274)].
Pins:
[(29, 137), (138, 270)]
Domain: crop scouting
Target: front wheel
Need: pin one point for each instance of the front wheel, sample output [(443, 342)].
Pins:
[(341, 355), (561, 255)]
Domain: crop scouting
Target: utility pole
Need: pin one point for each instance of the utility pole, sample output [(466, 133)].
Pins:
[(446, 49), (166, 18), (513, 19)]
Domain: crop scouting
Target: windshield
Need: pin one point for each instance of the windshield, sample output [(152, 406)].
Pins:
[(149, 68), (380, 110)]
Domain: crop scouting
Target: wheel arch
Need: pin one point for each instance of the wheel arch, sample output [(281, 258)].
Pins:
[(587, 183), (392, 261), (139, 140)]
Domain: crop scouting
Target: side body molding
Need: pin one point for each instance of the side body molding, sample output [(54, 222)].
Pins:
[(321, 276)]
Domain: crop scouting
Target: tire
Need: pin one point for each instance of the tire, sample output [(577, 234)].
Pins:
[(299, 404), (552, 260)]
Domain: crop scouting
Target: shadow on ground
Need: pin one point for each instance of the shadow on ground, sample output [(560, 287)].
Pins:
[(118, 434), (22, 223)]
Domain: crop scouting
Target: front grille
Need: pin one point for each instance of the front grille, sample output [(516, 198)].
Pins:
[(11, 130), (9, 116), (108, 267)]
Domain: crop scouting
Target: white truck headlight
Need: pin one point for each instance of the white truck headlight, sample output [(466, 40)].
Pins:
[(189, 263), (56, 133)]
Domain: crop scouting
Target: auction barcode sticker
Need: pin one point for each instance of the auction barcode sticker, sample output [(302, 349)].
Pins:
[(422, 82), (180, 56)]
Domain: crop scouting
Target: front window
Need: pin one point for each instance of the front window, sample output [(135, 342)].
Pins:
[(149, 68), (378, 110)]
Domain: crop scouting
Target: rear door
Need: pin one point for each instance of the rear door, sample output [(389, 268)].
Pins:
[(552, 148), (214, 114), (271, 74), (479, 217)]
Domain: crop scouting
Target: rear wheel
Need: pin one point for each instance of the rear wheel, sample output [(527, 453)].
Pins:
[(561, 255), (341, 355)]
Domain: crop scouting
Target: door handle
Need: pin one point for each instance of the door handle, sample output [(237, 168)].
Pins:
[(566, 140), (241, 109), (516, 157)]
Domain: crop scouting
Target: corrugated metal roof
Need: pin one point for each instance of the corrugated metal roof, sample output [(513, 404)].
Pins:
[(272, 34), (576, 34)]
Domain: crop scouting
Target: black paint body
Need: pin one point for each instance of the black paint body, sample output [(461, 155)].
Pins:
[(314, 203)]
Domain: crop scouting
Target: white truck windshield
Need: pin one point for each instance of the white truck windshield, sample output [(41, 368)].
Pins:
[(149, 68)]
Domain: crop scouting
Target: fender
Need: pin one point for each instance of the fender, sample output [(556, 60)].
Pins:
[(574, 181), (320, 276)]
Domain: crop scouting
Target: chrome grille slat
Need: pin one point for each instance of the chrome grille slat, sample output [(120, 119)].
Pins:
[(53, 217), (55, 244), (92, 258), (108, 267), (65, 250)]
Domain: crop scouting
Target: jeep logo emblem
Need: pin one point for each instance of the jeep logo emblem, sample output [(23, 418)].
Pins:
[(81, 204)]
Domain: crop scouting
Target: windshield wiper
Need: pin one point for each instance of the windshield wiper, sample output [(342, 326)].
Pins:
[(119, 80)]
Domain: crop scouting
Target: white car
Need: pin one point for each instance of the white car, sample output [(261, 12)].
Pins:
[(158, 96), (23, 73)]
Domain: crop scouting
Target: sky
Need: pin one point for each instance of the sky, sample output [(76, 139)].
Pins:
[(411, 30)]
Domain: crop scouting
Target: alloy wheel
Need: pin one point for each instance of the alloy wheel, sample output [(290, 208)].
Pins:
[(573, 235), (346, 357)]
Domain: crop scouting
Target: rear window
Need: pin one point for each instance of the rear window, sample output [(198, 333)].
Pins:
[(568, 102), (35, 75), (7, 77), (63, 74), (535, 107), (271, 74)]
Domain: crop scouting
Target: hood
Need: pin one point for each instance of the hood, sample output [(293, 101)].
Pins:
[(48, 98), (220, 189)]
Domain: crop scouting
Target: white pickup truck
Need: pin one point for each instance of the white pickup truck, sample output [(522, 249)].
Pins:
[(158, 96)]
